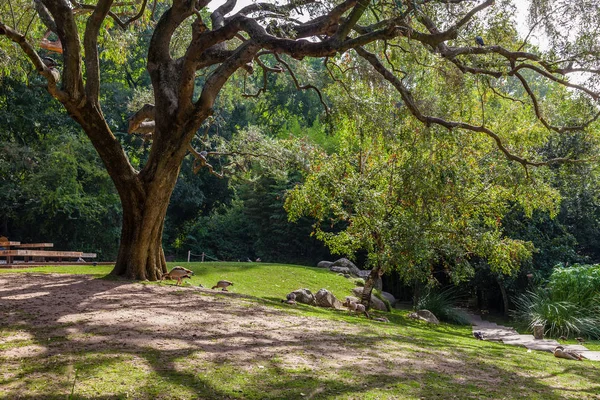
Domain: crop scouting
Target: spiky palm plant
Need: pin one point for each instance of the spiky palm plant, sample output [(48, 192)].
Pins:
[(559, 317)]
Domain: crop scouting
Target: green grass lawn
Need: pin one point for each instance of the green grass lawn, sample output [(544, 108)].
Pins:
[(327, 355), (254, 279)]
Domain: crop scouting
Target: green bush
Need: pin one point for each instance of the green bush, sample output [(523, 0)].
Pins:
[(442, 305), (359, 282), (560, 317), (579, 284), (569, 305)]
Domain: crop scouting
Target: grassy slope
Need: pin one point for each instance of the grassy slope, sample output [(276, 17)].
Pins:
[(498, 371), (254, 279)]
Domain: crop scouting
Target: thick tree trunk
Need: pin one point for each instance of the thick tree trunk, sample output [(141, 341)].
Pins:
[(144, 197), (140, 253)]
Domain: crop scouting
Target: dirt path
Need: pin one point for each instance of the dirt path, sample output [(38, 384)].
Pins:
[(93, 313), (509, 336)]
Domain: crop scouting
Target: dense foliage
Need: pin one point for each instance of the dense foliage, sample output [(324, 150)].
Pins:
[(53, 187), (568, 304)]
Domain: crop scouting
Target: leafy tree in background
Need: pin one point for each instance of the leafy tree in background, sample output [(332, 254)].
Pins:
[(254, 224), (419, 201), (189, 68), (414, 198), (275, 238), (53, 186), (194, 197)]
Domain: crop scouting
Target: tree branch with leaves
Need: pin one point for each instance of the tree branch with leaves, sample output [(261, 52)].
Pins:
[(187, 83)]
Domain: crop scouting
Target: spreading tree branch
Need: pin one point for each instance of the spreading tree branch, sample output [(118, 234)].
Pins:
[(51, 75), (408, 99)]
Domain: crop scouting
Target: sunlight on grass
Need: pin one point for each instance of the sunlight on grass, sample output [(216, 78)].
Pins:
[(99, 271), (403, 359), (264, 280)]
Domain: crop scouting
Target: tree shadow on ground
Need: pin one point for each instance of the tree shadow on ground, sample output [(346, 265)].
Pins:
[(150, 341)]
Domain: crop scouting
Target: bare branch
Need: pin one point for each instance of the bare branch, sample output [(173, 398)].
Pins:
[(497, 93), (244, 54), (218, 16), (260, 90), (90, 44), (275, 8), (302, 87), (44, 15), (201, 162), (66, 29), (12, 13), (122, 24), (333, 77), (548, 75), (138, 15), (153, 10), (29, 26), (357, 12), (265, 68), (158, 51)]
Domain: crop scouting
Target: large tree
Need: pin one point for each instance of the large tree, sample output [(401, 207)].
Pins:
[(187, 83)]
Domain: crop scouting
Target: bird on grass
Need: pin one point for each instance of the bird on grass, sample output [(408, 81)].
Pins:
[(223, 285), (479, 41), (178, 273), (478, 335), (580, 339), (561, 352), (562, 338)]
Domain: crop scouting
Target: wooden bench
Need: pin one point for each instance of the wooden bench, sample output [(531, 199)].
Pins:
[(34, 245), (9, 244), (41, 255), (5, 245)]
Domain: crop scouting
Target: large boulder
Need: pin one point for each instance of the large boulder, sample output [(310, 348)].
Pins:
[(305, 296), (324, 264), (340, 270), (344, 262), (375, 302), (325, 298), (424, 315), (389, 297), (364, 273)]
